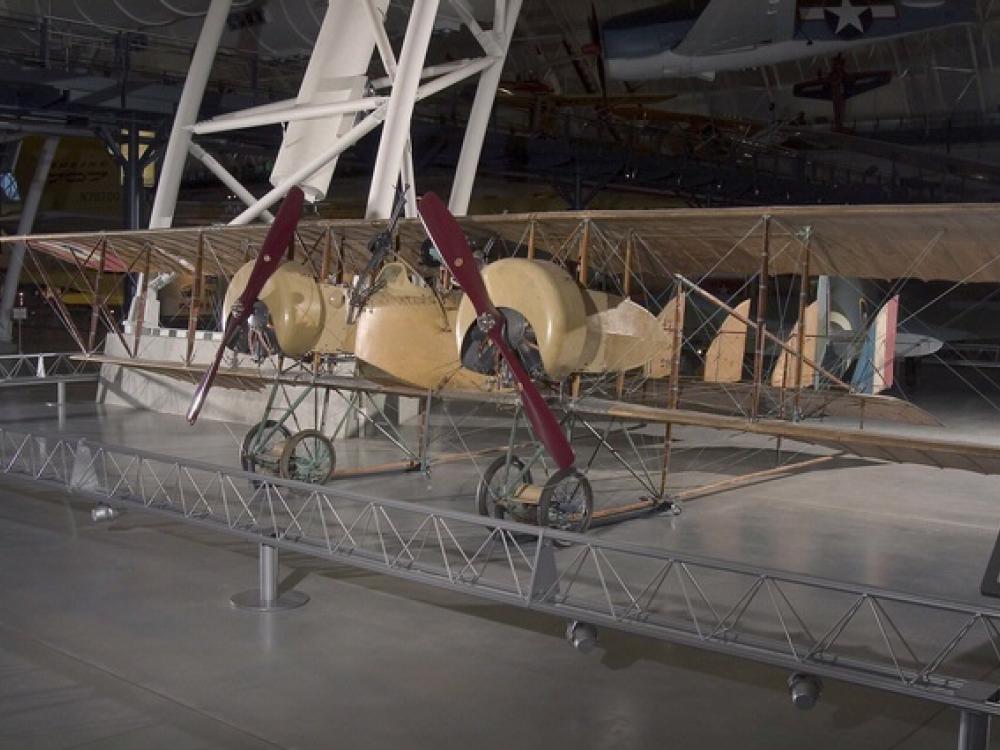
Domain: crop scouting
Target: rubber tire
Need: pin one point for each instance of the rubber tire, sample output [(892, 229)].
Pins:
[(288, 455), (484, 503), (549, 489), (246, 459)]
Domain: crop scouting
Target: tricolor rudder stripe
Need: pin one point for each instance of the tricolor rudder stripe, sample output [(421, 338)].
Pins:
[(874, 370)]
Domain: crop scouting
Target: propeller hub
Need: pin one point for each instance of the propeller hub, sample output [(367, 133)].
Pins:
[(486, 322)]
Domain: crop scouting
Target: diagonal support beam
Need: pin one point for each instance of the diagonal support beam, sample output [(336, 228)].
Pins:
[(396, 131), (169, 186), (479, 117)]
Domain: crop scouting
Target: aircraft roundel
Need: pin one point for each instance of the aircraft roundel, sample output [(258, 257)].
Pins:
[(847, 20)]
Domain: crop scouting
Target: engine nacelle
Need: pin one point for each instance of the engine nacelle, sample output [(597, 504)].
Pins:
[(549, 299), (307, 316)]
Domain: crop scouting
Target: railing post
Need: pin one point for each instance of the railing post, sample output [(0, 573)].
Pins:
[(61, 403), (267, 597), (973, 731)]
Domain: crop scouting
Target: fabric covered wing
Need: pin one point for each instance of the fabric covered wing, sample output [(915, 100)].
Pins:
[(727, 26)]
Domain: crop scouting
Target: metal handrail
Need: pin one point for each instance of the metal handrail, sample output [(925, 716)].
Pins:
[(900, 642)]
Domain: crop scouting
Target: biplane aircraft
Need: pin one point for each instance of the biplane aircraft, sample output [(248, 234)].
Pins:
[(585, 321)]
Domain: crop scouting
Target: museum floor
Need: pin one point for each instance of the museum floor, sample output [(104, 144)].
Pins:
[(122, 635)]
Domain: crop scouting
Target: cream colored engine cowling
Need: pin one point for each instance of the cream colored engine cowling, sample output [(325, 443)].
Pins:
[(306, 316), (551, 301), (404, 333)]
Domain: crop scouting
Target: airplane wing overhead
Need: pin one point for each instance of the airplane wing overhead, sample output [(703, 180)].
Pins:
[(940, 242), (726, 26)]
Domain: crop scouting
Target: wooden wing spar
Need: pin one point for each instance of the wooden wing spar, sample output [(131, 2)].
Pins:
[(933, 242)]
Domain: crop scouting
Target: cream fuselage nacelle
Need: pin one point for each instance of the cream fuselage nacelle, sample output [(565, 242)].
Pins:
[(409, 333)]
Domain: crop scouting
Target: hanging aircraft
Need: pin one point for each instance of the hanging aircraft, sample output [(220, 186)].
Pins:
[(699, 38)]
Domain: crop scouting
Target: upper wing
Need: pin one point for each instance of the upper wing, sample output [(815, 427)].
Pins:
[(947, 242), (727, 26)]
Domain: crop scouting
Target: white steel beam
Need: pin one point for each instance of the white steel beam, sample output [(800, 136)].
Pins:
[(337, 72), (382, 43), (355, 134), (396, 131), (479, 118), (407, 174), (257, 110), (489, 41), (15, 259), (358, 132), (290, 114), (226, 178), (431, 71), (169, 185)]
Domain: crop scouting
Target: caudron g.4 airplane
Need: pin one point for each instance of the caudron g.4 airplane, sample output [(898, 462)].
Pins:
[(523, 330)]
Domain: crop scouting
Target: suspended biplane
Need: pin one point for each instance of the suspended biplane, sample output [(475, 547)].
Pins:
[(592, 356)]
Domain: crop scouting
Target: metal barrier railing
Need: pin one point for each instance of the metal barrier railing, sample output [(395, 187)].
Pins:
[(51, 368), (48, 365), (936, 650)]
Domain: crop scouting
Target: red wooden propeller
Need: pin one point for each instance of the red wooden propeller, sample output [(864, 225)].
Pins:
[(450, 240), (272, 252)]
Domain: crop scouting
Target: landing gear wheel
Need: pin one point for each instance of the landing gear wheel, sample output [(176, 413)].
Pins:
[(262, 440), (500, 480), (567, 501), (308, 456)]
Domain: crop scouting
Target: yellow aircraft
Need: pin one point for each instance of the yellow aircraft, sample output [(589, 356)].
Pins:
[(414, 337)]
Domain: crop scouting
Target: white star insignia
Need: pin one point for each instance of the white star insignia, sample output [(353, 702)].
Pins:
[(848, 16)]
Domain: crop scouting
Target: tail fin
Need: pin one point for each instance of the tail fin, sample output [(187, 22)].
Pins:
[(787, 365), (661, 363), (874, 370), (724, 358)]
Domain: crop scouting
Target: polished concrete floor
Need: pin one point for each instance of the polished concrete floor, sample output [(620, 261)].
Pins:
[(122, 636)]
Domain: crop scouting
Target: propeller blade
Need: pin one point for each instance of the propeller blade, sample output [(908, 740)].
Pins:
[(272, 253), (450, 240)]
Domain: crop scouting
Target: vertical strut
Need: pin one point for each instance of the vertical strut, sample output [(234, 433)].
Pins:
[(673, 399), (583, 272), (803, 304), (102, 256), (196, 290), (140, 315), (762, 291), (425, 433), (627, 294)]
